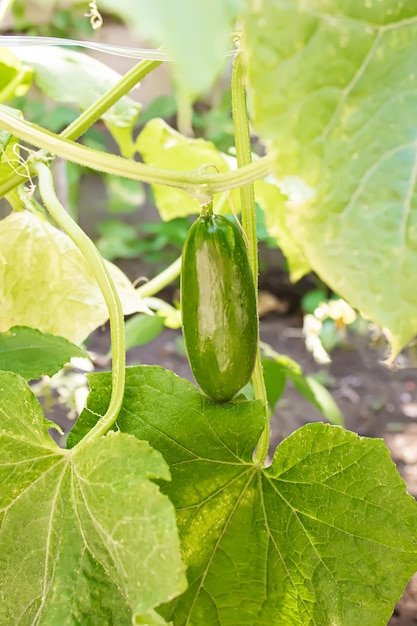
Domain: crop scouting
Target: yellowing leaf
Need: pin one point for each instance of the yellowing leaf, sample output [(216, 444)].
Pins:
[(162, 146), (45, 282), (336, 98)]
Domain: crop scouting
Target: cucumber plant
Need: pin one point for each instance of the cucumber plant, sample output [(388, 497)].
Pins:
[(166, 507)]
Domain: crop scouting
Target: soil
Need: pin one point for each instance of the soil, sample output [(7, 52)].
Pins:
[(375, 401)]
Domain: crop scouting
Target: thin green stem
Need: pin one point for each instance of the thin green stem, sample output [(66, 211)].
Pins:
[(103, 104), (92, 113), (110, 295), (160, 281), (247, 196), (201, 185)]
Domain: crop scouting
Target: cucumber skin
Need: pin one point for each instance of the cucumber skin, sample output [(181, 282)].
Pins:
[(218, 306)]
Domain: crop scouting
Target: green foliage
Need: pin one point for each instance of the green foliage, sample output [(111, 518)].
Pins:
[(89, 79), (312, 539), (348, 132), (279, 368), (45, 282), (31, 354), (150, 241), (93, 511), (197, 39), (15, 77), (162, 146), (326, 534), (141, 329)]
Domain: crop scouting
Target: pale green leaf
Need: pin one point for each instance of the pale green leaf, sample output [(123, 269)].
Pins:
[(326, 535), (333, 91), (73, 77), (141, 329), (31, 354), (273, 202), (86, 537), (198, 36), (15, 77), (45, 282), (162, 146)]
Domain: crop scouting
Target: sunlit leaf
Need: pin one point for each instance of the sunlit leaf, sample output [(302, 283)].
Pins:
[(15, 77), (45, 282), (162, 146), (326, 535), (336, 99), (86, 537)]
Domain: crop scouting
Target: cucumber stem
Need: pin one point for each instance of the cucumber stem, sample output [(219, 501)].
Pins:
[(110, 295), (207, 211), (247, 196)]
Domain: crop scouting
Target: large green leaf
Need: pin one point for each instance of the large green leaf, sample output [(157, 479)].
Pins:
[(31, 354), (333, 92), (273, 202), (162, 146), (196, 34), (86, 537), (326, 535), (45, 282)]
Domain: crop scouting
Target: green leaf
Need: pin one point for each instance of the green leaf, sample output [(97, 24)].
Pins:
[(86, 537), (31, 354), (197, 35), (45, 282), (273, 202), (279, 367), (275, 380), (141, 329), (73, 77), (333, 92), (326, 535), (162, 146), (315, 393), (15, 78)]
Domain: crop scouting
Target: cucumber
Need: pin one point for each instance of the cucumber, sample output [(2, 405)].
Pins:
[(218, 306)]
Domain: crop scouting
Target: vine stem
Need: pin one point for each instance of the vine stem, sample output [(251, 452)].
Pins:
[(161, 280), (247, 196), (110, 295), (200, 185)]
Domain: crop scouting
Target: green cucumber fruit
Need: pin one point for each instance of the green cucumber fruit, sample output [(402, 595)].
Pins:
[(218, 306)]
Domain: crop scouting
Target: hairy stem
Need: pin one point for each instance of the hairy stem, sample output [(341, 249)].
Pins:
[(247, 196), (110, 295), (201, 185)]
